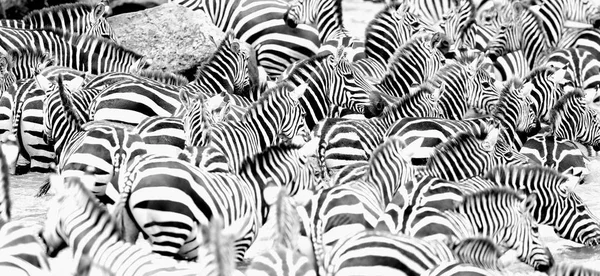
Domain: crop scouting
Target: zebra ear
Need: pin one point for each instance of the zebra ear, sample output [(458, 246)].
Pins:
[(75, 84), (528, 202), (43, 83), (310, 148), (558, 77), (409, 151), (526, 89), (299, 91), (490, 141), (570, 184), (100, 10)]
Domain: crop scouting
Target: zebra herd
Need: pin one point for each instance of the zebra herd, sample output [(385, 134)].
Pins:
[(436, 146)]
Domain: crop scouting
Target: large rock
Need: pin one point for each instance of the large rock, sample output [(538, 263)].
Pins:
[(174, 37)]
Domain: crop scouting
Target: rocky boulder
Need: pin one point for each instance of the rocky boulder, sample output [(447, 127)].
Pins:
[(174, 37)]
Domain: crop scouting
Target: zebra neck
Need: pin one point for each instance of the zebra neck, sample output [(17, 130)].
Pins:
[(329, 22)]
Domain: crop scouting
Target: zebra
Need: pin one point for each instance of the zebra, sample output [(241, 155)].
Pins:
[(390, 28), (78, 51), (204, 192), (582, 67), (512, 112), (572, 119), (259, 24), (349, 141), (105, 248), (227, 70), (555, 205), (283, 258), (560, 154), (478, 214), (74, 18), (418, 60), (382, 253), (27, 62), (336, 212), (328, 17)]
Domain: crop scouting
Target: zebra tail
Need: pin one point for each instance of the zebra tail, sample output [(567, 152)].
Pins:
[(321, 158), (67, 105), (120, 210), (44, 188)]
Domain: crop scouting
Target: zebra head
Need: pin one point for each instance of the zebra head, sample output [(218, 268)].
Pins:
[(584, 11), (7, 77), (97, 23), (481, 92), (513, 111), (508, 39), (572, 119), (556, 204), (304, 12), (508, 221), (455, 22), (354, 92)]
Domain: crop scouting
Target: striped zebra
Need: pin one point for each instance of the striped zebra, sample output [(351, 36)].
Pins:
[(103, 247), (560, 154), (258, 22), (572, 119), (389, 30), (345, 142), (340, 211), (498, 213), (380, 253), (130, 102), (512, 113), (78, 51), (555, 205), (327, 15), (201, 194), (73, 18), (417, 61), (572, 269), (26, 62), (284, 258), (581, 65)]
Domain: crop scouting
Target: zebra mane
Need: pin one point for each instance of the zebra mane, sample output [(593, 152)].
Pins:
[(276, 150), (373, 25), (391, 144), (445, 72), (405, 50), (504, 96), (77, 191), (415, 97), (560, 104), (60, 8), (77, 38), (287, 226), (283, 87), (538, 71), (164, 77), (225, 42), (509, 175), (454, 142), (5, 200), (494, 194), (220, 245), (67, 105), (301, 66), (339, 12)]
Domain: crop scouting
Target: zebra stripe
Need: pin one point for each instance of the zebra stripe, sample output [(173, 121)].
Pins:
[(26, 63), (547, 89), (74, 18), (456, 269), (78, 51), (260, 24), (202, 195), (572, 269), (102, 244), (21, 250)]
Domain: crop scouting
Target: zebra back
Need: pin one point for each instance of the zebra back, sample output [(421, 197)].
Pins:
[(571, 118), (455, 269), (75, 18), (559, 154), (582, 68), (556, 203), (78, 51), (167, 78)]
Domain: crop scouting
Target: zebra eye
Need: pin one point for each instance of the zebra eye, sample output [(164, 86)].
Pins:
[(508, 155), (486, 84)]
